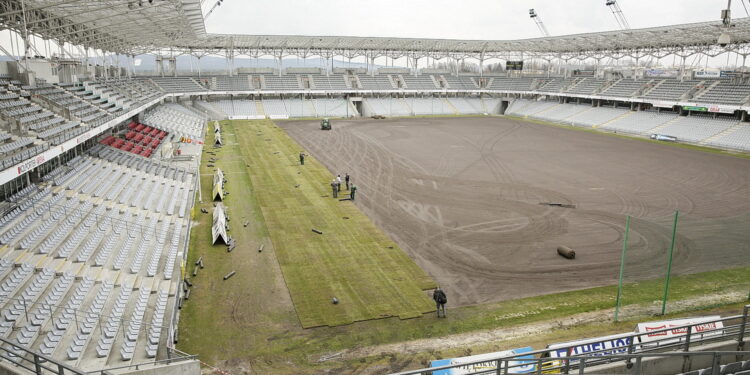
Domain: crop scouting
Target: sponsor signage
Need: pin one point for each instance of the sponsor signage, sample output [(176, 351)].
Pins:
[(514, 65), (487, 362), (706, 326), (694, 108), (598, 346), (707, 74), (720, 109), (660, 73)]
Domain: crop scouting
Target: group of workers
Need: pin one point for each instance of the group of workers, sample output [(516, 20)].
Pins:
[(336, 183), (438, 294), (336, 186)]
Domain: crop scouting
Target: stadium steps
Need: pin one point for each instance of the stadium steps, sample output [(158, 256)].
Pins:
[(435, 81), (450, 105), (646, 92), (662, 126), (213, 83), (573, 85), (352, 108), (614, 119), (525, 103), (545, 110), (196, 82), (699, 93), (262, 80), (157, 85), (606, 85), (393, 83), (309, 107), (726, 132), (406, 104), (259, 107)]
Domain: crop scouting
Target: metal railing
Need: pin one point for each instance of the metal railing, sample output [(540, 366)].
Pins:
[(639, 346), (32, 361)]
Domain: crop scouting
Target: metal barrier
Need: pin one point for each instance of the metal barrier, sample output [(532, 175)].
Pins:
[(735, 328), (34, 362), (637, 360)]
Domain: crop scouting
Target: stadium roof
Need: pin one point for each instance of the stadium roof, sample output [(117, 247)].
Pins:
[(161, 26)]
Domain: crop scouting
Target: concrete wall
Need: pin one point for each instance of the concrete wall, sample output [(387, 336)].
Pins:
[(180, 368)]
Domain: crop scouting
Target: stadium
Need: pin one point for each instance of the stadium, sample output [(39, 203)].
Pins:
[(177, 200)]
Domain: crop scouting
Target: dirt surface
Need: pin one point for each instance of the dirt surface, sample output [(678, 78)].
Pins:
[(463, 196)]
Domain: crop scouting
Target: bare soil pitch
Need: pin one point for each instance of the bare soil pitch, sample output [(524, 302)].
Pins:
[(462, 196)]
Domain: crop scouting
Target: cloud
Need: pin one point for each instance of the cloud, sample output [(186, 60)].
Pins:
[(451, 19)]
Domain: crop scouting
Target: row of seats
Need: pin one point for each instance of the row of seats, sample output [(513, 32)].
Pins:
[(180, 123), (734, 368), (76, 219), (710, 130)]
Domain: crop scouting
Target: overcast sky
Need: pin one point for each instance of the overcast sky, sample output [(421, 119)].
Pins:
[(452, 19)]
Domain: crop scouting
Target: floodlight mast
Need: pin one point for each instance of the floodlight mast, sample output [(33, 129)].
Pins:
[(534, 16), (619, 15)]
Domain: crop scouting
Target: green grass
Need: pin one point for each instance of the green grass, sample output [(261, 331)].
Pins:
[(251, 320), (352, 260)]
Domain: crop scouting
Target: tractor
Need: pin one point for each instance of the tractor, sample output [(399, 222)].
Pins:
[(325, 124)]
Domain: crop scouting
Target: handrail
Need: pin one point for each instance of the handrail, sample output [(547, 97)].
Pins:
[(738, 331), (38, 363)]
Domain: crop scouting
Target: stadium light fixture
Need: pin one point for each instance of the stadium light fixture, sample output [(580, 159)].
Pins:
[(619, 15), (726, 20), (539, 24)]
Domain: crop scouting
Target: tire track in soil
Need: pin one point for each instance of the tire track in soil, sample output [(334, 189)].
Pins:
[(486, 255)]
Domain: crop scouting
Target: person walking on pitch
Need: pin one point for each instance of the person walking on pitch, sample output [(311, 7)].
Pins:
[(338, 182), (346, 178), (335, 189), (352, 190), (440, 300), (301, 158)]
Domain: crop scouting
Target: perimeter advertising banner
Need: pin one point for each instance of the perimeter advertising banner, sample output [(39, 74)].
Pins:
[(597, 346), (487, 362), (709, 328)]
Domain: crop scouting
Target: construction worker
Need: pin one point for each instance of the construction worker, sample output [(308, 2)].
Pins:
[(335, 189), (301, 158), (352, 190), (338, 182), (346, 178), (440, 300)]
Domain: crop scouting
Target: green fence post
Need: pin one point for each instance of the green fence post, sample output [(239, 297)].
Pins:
[(622, 265), (669, 263)]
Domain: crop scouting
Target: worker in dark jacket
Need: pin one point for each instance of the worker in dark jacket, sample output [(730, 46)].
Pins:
[(440, 300), (335, 189), (352, 190), (346, 178), (301, 158)]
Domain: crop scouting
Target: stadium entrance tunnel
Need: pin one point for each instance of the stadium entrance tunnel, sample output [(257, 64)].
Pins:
[(503, 107)]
